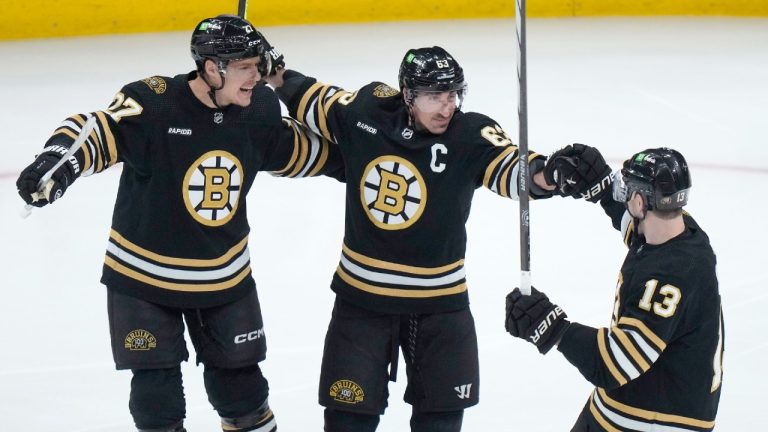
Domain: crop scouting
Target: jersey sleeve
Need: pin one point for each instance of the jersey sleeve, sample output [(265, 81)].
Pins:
[(118, 134), (320, 106), (650, 317), (299, 152), (497, 160)]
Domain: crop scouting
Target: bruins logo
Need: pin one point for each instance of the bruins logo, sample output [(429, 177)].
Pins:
[(347, 391), (393, 193), (140, 340), (157, 84), (383, 90), (212, 187)]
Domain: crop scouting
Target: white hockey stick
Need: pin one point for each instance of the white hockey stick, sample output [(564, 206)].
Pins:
[(522, 115), (45, 184)]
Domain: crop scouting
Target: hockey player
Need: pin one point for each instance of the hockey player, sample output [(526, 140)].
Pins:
[(659, 364), (413, 160), (191, 146)]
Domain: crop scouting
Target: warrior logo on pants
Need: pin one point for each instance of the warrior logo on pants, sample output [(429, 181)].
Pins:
[(212, 187), (393, 193)]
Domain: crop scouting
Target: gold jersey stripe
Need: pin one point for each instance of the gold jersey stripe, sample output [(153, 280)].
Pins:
[(503, 181), (323, 157), (295, 153), (188, 262), (492, 165), (301, 113), (111, 146), (386, 265), (607, 357), (653, 415), (599, 417), (645, 330), (630, 347), (396, 292), (322, 121), (327, 106), (304, 152), (219, 286)]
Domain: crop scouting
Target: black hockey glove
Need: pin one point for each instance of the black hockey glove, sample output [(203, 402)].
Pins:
[(277, 59), (535, 319), (29, 179), (579, 171)]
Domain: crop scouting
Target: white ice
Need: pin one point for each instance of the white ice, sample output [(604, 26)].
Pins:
[(698, 85)]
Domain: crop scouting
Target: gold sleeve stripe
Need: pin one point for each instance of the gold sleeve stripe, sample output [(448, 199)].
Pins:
[(653, 415), (492, 166), (400, 267), (395, 292), (111, 145), (303, 154), (322, 121), (300, 113), (323, 157), (645, 330), (295, 153), (599, 417), (65, 131), (503, 187), (607, 357), (327, 106), (188, 262), (630, 347), (219, 286)]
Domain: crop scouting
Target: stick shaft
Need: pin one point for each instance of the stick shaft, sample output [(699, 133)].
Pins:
[(522, 114)]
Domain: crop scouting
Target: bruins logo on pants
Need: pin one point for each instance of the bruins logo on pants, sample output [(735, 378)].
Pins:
[(212, 187), (393, 193)]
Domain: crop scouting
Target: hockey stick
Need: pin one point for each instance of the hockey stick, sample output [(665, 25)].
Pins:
[(242, 7), (522, 115), (45, 184)]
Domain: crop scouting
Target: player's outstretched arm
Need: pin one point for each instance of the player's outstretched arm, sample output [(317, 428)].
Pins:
[(579, 171)]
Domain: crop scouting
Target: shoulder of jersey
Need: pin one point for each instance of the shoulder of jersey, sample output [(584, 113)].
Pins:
[(471, 123), (379, 93), (154, 86)]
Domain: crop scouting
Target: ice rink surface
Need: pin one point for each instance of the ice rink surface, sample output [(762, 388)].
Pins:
[(698, 85)]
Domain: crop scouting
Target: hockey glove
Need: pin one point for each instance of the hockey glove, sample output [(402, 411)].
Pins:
[(28, 183), (579, 171), (535, 319), (276, 58)]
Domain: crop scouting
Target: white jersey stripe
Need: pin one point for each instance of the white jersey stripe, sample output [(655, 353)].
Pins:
[(631, 424), (230, 270), (621, 358), (360, 272)]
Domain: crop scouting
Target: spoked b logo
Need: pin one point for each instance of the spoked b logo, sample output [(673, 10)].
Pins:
[(393, 193), (212, 187)]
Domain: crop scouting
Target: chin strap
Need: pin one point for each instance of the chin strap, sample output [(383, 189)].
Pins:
[(212, 91)]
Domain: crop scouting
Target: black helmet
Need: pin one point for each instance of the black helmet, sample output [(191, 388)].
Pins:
[(660, 175), (225, 38), (430, 69)]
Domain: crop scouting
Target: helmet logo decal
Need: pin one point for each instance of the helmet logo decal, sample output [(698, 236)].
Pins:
[(392, 192), (212, 187)]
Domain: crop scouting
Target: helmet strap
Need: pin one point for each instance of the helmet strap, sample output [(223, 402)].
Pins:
[(212, 91)]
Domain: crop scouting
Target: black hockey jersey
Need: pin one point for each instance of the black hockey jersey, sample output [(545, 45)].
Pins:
[(408, 193), (179, 232), (658, 367)]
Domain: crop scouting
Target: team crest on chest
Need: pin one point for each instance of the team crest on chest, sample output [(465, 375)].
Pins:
[(212, 187), (393, 193)]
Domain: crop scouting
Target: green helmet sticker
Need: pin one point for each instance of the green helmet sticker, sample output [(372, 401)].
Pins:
[(204, 26), (410, 57)]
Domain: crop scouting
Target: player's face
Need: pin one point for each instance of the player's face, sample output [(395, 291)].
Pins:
[(241, 78), (433, 111)]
